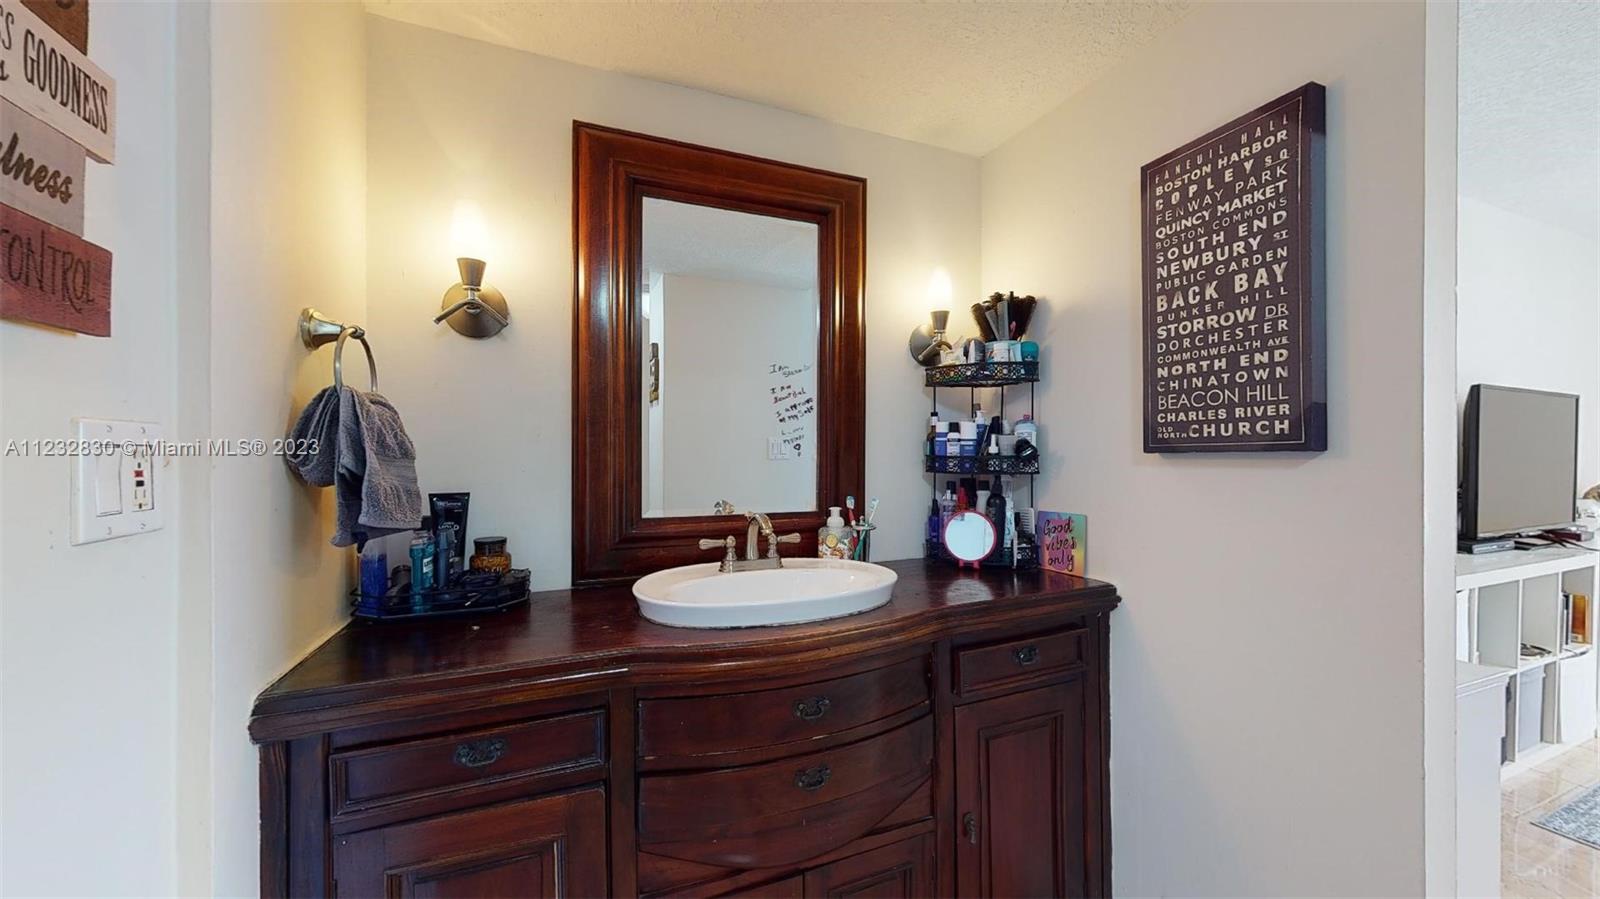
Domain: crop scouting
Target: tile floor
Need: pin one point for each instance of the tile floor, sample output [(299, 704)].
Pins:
[(1535, 863)]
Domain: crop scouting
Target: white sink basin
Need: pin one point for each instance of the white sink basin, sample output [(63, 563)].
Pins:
[(802, 590)]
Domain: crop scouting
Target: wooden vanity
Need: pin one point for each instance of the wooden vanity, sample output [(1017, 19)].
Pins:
[(953, 742)]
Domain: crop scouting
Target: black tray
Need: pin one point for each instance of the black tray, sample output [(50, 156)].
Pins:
[(980, 465), (511, 590), (981, 374), (1027, 556)]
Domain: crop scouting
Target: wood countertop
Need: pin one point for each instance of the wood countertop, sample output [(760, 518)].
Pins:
[(573, 641)]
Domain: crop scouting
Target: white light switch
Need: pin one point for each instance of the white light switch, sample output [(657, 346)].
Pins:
[(107, 484), (114, 484)]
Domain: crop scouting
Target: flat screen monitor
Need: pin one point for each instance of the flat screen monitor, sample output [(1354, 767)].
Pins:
[(1519, 461)]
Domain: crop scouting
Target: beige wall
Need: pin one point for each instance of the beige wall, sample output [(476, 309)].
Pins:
[(288, 229), (1266, 688), (86, 632), (493, 416), (1530, 310)]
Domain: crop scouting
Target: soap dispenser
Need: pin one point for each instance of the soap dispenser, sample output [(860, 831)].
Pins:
[(833, 538)]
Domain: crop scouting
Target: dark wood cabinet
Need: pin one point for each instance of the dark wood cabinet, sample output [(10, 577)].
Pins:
[(903, 870), (546, 847), (950, 743), (1022, 778)]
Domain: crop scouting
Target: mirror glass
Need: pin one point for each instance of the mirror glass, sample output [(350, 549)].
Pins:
[(729, 304), (969, 537)]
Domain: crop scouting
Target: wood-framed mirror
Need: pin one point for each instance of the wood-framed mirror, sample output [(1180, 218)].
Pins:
[(718, 350)]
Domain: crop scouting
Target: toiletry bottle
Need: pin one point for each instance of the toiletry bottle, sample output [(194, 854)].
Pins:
[(833, 538), (489, 555), (982, 503), (995, 508), (1028, 430), (445, 540), (374, 568), (981, 426), (969, 486), (933, 429), (947, 505), (421, 569), (935, 521), (941, 439)]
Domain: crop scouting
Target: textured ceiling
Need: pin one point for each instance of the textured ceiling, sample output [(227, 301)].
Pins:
[(1530, 109), (965, 76), (683, 239)]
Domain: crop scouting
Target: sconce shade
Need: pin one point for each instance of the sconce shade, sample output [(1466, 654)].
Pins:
[(927, 341), (471, 271)]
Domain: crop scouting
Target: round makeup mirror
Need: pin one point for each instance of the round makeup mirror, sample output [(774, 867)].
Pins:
[(969, 537)]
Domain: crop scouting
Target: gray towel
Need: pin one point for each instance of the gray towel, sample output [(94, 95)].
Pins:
[(316, 437), (364, 452)]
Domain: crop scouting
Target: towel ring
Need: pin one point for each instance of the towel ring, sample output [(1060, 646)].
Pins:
[(317, 329), (338, 358)]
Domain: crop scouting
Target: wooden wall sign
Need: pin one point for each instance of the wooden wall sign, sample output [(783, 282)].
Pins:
[(53, 277), (49, 78), (41, 172), (69, 18), (1234, 296)]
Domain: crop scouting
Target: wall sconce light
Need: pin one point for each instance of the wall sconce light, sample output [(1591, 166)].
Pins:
[(928, 342), (471, 307)]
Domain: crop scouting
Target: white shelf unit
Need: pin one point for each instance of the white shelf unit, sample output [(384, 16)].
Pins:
[(1508, 599)]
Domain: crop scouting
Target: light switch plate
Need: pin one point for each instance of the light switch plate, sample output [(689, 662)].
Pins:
[(116, 489)]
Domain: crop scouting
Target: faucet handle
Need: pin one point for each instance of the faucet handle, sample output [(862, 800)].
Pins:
[(773, 540), (729, 557)]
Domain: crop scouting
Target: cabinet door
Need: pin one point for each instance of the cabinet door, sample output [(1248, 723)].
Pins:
[(550, 846), (903, 870), (1021, 794)]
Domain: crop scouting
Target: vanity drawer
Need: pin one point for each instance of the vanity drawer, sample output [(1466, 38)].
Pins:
[(1020, 661), (697, 726), (365, 779), (780, 813)]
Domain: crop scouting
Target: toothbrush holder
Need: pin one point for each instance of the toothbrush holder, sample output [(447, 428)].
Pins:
[(862, 552)]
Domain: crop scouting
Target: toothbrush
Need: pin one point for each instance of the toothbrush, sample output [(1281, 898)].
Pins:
[(850, 508), (872, 509)]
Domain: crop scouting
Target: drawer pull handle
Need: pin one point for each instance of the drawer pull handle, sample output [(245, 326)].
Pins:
[(812, 779), (812, 709), (969, 824), (1027, 655), (480, 753)]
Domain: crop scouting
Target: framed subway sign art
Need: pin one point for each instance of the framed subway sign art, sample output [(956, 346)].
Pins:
[(1234, 296)]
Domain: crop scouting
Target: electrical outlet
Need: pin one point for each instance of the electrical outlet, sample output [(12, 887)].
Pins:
[(776, 449), (114, 490), (143, 475)]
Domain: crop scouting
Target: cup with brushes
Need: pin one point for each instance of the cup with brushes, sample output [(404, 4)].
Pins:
[(1002, 321)]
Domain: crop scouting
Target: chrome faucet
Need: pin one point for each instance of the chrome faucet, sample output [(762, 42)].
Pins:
[(759, 525), (752, 544)]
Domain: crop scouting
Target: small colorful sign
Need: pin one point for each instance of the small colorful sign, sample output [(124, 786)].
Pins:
[(53, 277), (45, 76), (1064, 542)]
